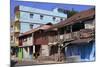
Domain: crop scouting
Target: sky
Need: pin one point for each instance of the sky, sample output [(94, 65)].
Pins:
[(46, 6)]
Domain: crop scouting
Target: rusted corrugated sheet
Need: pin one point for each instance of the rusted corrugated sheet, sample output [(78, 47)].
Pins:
[(44, 27), (87, 14), (86, 40)]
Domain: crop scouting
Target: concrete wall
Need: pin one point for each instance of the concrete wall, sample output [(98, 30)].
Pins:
[(28, 41), (25, 53), (45, 50), (23, 15), (90, 24)]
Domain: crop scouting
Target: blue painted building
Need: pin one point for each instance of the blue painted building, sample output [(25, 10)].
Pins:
[(24, 14), (27, 18), (82, 44), (84, 51)]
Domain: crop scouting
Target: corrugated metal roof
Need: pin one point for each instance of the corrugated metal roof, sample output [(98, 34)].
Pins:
[(86, 40), (43, 27), (77, 17)]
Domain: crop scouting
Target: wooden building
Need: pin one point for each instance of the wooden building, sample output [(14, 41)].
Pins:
[(73, 38), (76, 36), (35, 42)]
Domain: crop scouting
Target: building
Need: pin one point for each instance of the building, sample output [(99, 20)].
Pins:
[(13, 42), (34, 43), (76, 36), (73, 38), (27, 18)]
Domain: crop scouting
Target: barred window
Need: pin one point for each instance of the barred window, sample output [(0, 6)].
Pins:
[(54, 18), (41, 17), (31, 15)]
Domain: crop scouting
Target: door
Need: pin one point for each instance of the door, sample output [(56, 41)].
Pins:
[(37, 50)]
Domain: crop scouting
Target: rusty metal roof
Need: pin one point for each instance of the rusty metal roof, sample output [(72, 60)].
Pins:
[(87, 14), (86, 40), (77, 17), (43, 27)]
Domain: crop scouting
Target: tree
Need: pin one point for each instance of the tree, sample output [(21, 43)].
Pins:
[(68, 12)]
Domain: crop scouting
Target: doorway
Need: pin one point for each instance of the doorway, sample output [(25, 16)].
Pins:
[(37, 50)]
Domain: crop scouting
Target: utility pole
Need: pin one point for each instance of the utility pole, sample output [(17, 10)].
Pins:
[(59, 45), (60, 42)]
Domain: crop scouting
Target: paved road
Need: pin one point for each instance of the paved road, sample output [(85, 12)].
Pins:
[(28, 63)]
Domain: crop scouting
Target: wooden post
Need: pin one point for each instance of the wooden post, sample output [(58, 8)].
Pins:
[(65, 34), (71, 28), (71, 31), (28, 51), (33, 42), (59, 42)]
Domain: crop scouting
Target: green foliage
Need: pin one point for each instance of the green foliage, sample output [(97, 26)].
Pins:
[(68, 12)]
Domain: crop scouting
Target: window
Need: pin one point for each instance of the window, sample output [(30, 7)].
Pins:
[(68, 29), (62, 30), (31, 26), (61, 19), (41, 17), (31, 15), (54, 18), (11, 38), (29, 38), (77, 26)]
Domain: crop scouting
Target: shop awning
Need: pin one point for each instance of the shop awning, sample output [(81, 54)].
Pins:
[(79, 41), (87, 40)]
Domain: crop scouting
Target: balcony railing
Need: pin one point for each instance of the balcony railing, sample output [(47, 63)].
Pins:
[(24, 43), (72, 36), (27, 43), (53, 39)]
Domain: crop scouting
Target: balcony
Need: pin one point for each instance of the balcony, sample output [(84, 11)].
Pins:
[(27, 43), (24, 43), (84, 33), (16, 26), (53, 39), (69, 36), (16, 29)]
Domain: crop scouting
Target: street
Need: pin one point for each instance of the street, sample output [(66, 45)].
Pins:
[(35, 62)]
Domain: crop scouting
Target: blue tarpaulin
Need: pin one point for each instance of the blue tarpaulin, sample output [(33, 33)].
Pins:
[(86, 51)]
